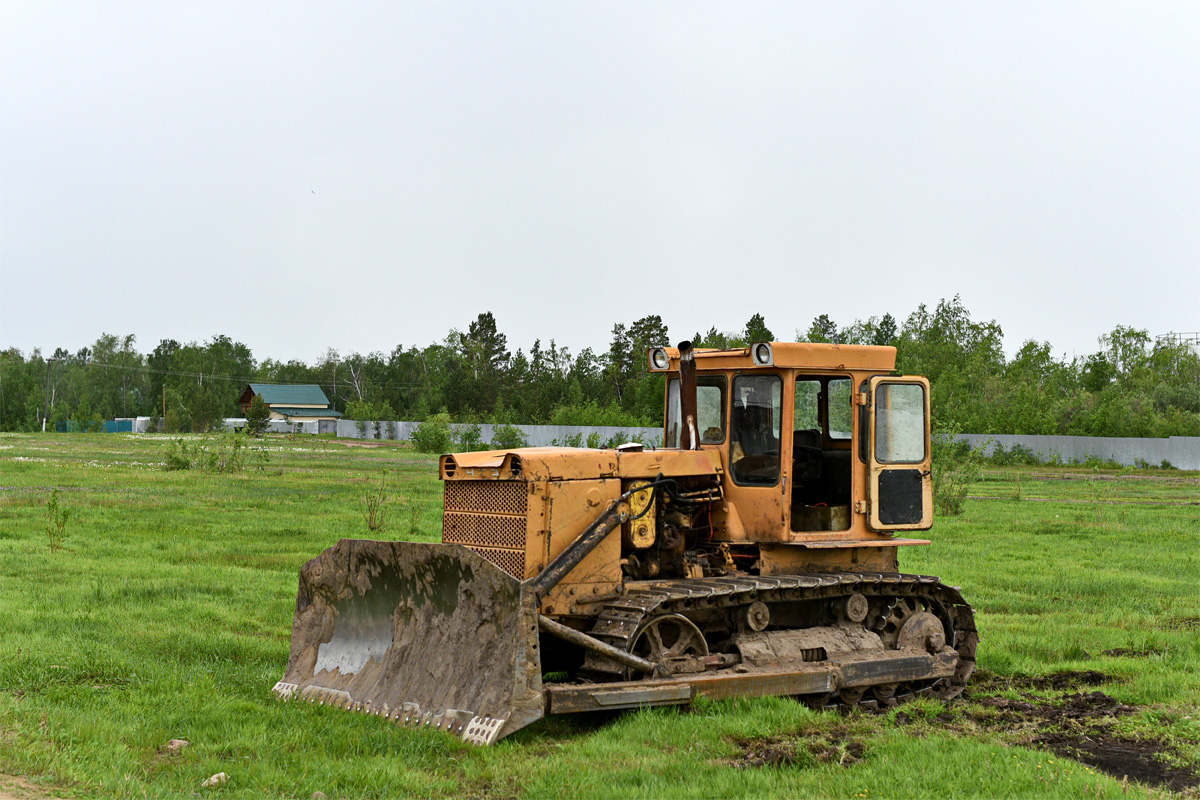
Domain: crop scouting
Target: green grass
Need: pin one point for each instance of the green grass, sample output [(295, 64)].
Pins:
[(167, 614)]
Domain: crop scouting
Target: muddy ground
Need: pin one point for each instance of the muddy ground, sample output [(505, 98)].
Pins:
[(1063, 713)]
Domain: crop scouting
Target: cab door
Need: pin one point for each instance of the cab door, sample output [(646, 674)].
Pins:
[(899, 480)]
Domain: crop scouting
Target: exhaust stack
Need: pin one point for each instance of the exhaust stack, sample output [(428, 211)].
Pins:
[(689, 437)]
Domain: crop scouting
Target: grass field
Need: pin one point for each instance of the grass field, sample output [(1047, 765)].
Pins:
[(165, 613)]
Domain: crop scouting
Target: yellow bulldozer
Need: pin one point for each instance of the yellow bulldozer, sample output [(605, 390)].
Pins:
[(755, 553)]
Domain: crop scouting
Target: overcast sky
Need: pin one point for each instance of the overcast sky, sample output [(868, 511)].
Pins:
[(300, 176)]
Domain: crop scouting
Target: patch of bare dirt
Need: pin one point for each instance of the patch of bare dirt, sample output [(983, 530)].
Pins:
[(1182, 624), (985, 682), (1125, 652), (15, 787), (1079, 725), (811, 748), (1091, 476), (1135, 759)]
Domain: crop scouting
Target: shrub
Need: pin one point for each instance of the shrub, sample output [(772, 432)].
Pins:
[(507, 437), (570, 440), (1017, 454), (257, 417), (374, 511), (56, 521), (617, 439), (220, 453), (469, 437), (956, 466), (433, 435), (1096, 462)]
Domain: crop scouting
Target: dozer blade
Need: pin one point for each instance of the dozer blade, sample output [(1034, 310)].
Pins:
[(423, 634)]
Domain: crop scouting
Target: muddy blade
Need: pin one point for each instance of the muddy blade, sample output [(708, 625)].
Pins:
[(423, 634)]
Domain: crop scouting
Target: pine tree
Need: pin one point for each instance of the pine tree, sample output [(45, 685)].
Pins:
[(257, 417)]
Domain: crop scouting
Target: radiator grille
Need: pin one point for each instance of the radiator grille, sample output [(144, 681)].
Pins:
[(489, 497), (488, 517), (510, 561)]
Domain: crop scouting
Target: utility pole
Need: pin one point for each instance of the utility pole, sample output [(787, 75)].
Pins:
[(46, 407), (164, 420)]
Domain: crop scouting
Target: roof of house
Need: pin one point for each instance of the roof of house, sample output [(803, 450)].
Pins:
[(305, 412), (294, 395)]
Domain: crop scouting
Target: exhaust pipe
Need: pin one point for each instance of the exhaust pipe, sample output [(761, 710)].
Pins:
[(689, 437)]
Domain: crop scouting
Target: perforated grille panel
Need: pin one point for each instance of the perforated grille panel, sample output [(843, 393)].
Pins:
[(488, 517), (485, 530), (510, 561), (489, 497)]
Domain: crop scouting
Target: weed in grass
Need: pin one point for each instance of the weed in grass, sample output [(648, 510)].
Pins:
[(56, 521), (375, 511)]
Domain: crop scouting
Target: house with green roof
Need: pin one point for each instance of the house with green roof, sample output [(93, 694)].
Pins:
[(294, 402)]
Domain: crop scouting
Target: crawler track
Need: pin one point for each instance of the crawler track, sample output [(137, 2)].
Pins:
[(620, 620)]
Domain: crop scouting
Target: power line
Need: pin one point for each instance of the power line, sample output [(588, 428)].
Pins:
[(239, 379)]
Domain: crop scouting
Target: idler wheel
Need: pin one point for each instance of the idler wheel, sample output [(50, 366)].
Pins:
[(668, 638)]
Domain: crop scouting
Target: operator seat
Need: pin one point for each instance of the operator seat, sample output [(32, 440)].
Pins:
[(806, 455)]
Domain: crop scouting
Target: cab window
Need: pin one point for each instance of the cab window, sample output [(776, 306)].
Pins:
[(710, 410), (837, 399), (900, 423), (840, 409), (755, 429)]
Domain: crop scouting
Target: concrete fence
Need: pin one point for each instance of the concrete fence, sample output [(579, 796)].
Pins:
[(535, 435), (1183, 452)]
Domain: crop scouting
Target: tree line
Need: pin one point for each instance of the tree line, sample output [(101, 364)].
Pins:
[(1131, 386)]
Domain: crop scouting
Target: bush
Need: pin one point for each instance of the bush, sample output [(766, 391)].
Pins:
[(1017, 454), (56, 521), (469, 437), (617, 439), (571, 440), (257, 417), (956, 466), (433, 435), (1096, 462), (220, 453), (507, 437), (375, 511)]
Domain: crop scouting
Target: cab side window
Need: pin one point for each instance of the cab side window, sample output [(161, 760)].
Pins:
[(755, 428)]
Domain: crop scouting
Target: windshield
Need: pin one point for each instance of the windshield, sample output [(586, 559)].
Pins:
[(757, 406)]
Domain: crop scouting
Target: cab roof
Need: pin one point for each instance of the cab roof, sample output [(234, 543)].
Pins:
[(793, 355)]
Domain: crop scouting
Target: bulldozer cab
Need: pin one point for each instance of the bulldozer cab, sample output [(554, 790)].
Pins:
[(813, 453)]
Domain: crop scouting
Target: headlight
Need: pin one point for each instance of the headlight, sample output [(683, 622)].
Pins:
[(763, 356), (659, 360)]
